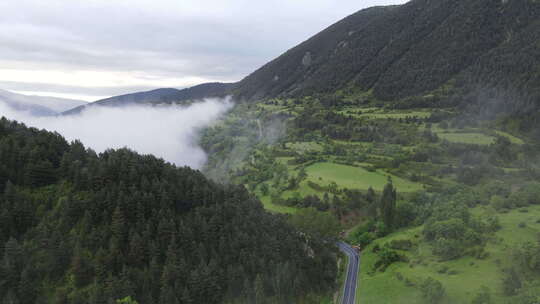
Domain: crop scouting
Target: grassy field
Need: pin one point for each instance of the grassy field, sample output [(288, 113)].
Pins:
[(304, 146), (464, 276), (378, 113), (512, 138), (268, 205), (397, 115), (356, 178), (467, 138)]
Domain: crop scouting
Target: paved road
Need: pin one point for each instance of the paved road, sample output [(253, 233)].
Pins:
[(349, 290)]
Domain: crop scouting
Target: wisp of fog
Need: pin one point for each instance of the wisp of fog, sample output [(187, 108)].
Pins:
[(170, 132)]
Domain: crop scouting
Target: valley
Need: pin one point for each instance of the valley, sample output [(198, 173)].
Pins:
[(446, 166), (393, 157)]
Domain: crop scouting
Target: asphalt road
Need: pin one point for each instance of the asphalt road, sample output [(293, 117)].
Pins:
[(349, 290)]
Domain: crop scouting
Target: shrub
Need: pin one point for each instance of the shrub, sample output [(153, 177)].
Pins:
[(447, 249), (400, 244), (442, 269), (365, 239), (483, 296), (432, 290), (453, 228), (499, 203), (511, 282), (519, 199), (493, 224), (387, 257)]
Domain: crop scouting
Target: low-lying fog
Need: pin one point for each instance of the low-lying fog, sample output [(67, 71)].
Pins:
[(169, 132)]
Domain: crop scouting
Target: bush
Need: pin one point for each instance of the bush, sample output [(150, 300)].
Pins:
[(519, 199), (442, 269), (447, 249), (387, 257), (400, 244), (381, 230), (432, 290), (493, 224), (365, 239), (479, 252), (483, 296), (499, 203), (405, 214), (453, 228), (511, 282)]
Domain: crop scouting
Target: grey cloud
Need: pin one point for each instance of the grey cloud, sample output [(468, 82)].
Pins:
[(59, 88), (210, 39)]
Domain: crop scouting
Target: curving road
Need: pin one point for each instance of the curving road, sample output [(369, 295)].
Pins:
[(349, 290)]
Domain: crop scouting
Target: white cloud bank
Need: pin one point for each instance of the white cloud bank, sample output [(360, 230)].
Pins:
[(169, 132)]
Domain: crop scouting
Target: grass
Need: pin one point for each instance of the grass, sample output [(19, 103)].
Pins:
[(512, 138), (305, 146), (471, 273), (403, 115), (377, 113), (268, 205), (303, 189), (467, 138), (356, 178), (384, 287)]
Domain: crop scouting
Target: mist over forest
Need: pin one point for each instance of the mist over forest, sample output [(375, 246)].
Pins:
[(169, 131)]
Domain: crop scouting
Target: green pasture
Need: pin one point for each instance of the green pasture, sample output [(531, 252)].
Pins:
[(356, 178), (464, 277)]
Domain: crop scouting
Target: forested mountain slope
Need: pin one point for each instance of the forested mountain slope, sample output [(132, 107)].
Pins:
[(78, 227), (166, 95), (414, 48)]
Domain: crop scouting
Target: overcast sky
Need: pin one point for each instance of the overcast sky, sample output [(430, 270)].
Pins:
[(98, 48)]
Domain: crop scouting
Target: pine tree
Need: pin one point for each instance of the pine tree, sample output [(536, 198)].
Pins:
[(388, 205), (27, 288), (259, 290), (11, 298), (168, 296), (12, 262), (137, 254), (118, 225), (81, 267), (186, 297)]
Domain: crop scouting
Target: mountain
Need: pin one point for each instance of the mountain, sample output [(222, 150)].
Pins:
[(166, 95), (38, 105), (411, 49)]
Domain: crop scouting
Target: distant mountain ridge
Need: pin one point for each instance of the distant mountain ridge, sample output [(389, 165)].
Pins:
[(410, 49), (38, 105), (165, 95), (399, 52)]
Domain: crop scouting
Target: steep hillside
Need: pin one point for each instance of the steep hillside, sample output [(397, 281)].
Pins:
[(77, 227), (166, 95), (408, 50), (38, 105)]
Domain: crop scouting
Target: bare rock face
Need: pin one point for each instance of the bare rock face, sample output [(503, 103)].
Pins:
[(306, 61), (276, 78), (343, 44)]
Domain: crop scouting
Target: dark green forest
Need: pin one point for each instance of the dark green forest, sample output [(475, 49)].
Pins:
[(81, 227), (481, 53)]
